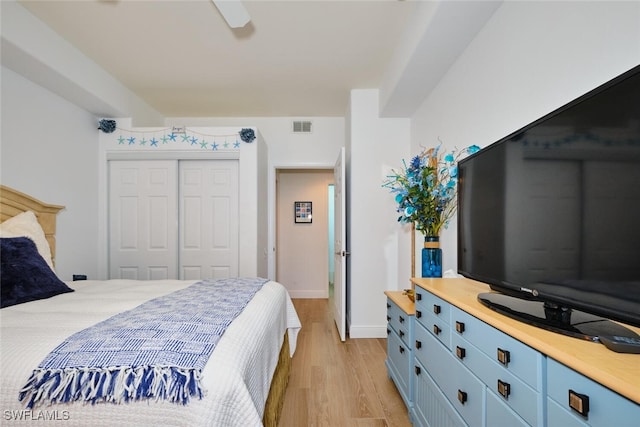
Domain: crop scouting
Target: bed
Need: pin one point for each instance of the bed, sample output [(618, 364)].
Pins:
[(244, 378)]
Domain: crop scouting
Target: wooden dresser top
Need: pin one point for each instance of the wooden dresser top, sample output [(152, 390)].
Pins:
[(617, 371)]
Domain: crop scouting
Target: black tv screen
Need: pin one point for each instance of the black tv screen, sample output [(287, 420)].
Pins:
[(552, 211)]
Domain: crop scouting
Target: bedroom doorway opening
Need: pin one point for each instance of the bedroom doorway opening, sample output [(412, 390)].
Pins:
[(304, 249)]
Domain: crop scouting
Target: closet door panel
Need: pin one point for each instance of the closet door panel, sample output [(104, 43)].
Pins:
[(209, 228), (142, 219)]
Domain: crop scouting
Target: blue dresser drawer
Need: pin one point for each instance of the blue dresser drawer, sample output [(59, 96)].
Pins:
[(499, 414), (518, 358), (574, 392), (399, 360), (465, 392), (432, 408), (557, 416), (434, 313), (500, 382), (428, 303), (399, 321)]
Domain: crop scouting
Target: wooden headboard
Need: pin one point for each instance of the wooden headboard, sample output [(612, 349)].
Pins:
[(13, 202)]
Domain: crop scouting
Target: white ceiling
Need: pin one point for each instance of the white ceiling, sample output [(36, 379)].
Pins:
[(294, 58)]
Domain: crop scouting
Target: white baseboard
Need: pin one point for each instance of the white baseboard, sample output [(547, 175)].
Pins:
[(367, 331), (312, 294)]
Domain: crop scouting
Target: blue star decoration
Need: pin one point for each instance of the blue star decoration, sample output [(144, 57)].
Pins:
[(194, 140), (214, 146), (132, 140), (154, 142), (236, 144), (172, 137)]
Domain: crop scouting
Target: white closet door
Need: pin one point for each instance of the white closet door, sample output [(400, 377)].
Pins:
[(142, 219), (209, 229)]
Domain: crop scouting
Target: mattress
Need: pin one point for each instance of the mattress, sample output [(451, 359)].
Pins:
[(236, 378)]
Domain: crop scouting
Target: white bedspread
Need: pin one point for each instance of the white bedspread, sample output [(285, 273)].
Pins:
[(237, 376)]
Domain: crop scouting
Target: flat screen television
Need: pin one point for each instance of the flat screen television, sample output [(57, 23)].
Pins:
[(549, 216)]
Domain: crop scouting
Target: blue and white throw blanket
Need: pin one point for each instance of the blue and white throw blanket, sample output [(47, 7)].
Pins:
[(154, 351)]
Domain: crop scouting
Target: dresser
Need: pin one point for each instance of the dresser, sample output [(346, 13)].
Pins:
[(474, 367), (400, 324)]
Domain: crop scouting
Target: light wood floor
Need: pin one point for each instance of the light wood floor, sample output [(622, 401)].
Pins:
[(337, 384)]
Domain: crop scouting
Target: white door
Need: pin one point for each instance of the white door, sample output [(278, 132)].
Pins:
[(171, 219), (142, 220), (340, 246), (209, 227)]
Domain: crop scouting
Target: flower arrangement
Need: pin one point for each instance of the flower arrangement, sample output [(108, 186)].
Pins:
[(426, 190)]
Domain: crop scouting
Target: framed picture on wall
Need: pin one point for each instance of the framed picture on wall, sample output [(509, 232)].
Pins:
[(302, 212)]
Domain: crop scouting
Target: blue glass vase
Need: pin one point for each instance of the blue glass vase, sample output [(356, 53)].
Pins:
[(431, 257)]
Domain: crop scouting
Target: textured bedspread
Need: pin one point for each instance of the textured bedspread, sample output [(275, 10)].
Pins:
[(236, 377)]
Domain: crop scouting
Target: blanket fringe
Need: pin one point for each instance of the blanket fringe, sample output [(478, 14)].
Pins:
[(112, 384)]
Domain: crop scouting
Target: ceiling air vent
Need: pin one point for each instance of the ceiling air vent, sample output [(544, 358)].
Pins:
[(301, 126)]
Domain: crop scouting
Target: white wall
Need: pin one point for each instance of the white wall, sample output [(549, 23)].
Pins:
[(49, 151), (35, 51), (531, 58), (319, 148), (379, 248)]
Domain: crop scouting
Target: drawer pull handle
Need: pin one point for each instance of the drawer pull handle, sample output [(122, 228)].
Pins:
[(504, 389), (388, 318), (436, 309), (401, 333), (418, 314), (460, 352), (401, 349), (462, 396), (459, 327), (418, 345), (579, 403), (436, 330), (401, 319), (388, 331), (388, 305), (417, 370), (504, 356), (418, 296)]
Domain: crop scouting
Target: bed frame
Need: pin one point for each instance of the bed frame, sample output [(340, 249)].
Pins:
[(13, 202)]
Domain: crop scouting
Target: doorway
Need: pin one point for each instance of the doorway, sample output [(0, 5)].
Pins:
[(303, 249)]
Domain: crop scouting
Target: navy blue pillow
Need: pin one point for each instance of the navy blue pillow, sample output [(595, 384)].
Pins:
[(24, 274)]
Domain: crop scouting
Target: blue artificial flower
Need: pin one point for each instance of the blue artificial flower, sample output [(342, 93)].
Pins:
[(473, 149), (106, 125), (415, 162), (426, 189), (247, 135)]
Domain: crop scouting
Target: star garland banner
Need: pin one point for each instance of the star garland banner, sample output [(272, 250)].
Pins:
[(181, 137)]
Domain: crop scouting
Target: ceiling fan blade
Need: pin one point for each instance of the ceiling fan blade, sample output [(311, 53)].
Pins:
[(233, 12)]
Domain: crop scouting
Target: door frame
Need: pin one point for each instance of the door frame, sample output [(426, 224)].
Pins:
[(271, 238)]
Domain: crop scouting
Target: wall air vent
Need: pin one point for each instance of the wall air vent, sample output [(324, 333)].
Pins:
[(302, 126)]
